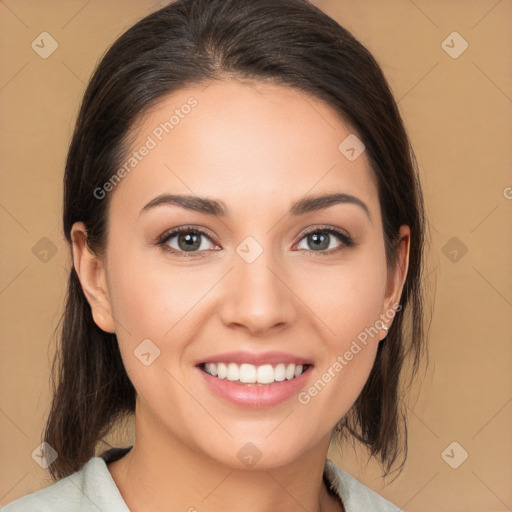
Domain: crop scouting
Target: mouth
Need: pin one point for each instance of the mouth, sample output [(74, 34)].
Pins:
[(255, 386), (247, 374)]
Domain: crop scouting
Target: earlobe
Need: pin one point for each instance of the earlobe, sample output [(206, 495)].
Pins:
[(91, 272)]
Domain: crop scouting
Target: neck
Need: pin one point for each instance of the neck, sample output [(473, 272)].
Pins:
[(169, 475)]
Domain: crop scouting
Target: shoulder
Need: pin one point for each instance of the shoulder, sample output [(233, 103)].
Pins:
[(89, 489), (355, 495), (66, 494)]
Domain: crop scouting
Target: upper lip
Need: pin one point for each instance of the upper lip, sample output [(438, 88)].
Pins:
[(256, 359)]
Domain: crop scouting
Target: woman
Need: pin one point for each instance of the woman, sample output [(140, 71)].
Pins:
[(246, 227)]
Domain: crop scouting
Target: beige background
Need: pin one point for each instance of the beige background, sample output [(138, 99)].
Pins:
[(458, 113)]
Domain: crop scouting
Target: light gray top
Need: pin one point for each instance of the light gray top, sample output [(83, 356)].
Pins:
[(92, 489)]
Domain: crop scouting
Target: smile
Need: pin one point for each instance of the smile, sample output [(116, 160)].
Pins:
[(250, 374), (264, 388)]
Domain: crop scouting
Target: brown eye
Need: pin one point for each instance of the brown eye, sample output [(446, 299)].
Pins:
[(186, 240)]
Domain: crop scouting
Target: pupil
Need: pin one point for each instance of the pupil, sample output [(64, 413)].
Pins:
[(320, 240), (191, 241)]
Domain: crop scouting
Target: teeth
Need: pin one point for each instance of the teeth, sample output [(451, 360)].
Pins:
[(248, 373)]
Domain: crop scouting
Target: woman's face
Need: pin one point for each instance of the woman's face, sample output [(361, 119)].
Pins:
[(263, 277)]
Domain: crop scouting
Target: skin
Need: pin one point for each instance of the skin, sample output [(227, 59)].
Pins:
[(258, 148)]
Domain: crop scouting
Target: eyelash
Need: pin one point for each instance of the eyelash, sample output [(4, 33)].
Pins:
[(163, 239)]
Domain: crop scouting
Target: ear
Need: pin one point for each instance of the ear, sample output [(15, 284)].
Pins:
[(91, 272), (396, 277)]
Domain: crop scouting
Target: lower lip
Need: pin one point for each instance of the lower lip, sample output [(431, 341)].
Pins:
[(253, 395)]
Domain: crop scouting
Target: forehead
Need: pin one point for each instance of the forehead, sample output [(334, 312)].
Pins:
[(249, 144)]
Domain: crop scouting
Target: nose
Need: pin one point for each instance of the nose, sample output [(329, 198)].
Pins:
[(257, 297)]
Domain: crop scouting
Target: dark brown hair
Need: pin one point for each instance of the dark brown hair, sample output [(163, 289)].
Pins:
[(285, 42)]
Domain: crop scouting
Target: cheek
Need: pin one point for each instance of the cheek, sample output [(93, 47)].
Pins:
[(150, 299), (152, 305), (349, 303), (157, 302), (347, 298)]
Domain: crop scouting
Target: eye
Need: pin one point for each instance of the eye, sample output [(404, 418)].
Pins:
[(320, 239), (185, 240), (190, 242)]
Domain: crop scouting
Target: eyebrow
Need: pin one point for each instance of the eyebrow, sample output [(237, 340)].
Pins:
[(219, 209)]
